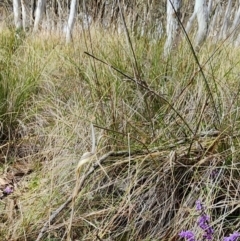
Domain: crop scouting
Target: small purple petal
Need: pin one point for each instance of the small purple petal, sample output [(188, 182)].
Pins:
[(8, 190), (232, 237), (199, 205), (226, 239), (203, 221), (189, 235)]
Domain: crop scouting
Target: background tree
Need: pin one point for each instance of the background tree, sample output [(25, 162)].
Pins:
[(201, 13), (71, 20), (39, 13), (17, 13), (154, 19), (172, 29), (25, 12)]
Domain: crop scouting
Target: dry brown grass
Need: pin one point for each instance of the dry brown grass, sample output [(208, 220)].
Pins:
[(164, 150)]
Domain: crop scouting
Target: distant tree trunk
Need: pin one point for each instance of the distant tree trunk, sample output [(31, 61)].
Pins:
[(71, 20), (225, 25), (33, 7), (17, 13), (24, 15), (235, 24), (190, 21), (60, 16), (237, 41), (144, 20), (173, 13), (201, 12), (114, 15), (39, 13), (214, 21), (210, 7), (202, 17)]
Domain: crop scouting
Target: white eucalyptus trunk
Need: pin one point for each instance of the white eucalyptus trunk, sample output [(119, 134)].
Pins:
[(235, 24), (38, 14), (60, 13), (201, 12), (190, 22), (202, 18), (24, 15), (226, 19), (71, 20), (17, 13), (144, 22), (210, 3), (173, 12), (214, 23), (32, 13), (237, 41)]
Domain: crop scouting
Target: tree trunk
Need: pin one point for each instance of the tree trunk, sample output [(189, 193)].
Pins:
[(190, 22), (235, 24), (24, 15), (17, 13), (201, 10), (38, 14), (225, 25), (215, 15), (173, 15), (33, 7), (210, 7), (71, 20)]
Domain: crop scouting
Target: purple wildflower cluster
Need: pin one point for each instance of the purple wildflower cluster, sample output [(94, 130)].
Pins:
[(204, 223), (188, 235), (232, 237)]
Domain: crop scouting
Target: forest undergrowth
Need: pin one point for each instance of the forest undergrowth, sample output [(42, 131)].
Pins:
[(166, 131)]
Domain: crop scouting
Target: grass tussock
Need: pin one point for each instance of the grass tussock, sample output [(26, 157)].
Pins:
[(170, 126)]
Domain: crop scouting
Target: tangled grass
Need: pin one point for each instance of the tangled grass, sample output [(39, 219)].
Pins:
[(171, 128)]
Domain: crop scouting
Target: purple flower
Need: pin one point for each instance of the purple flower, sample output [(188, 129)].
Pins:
[(208, 233), (189, 235), (199, 205), (8, 190), (232, 237), (203, 221)]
